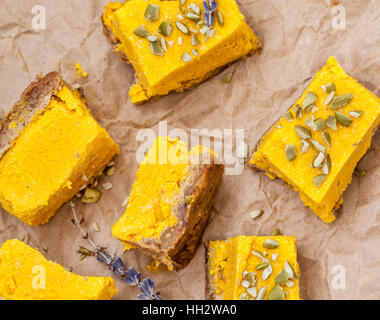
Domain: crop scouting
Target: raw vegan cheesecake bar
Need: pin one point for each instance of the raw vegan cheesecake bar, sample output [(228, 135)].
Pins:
[(170, 203), (50, 145), (316, 145), (174, 45), (25, 274), (252, 268)]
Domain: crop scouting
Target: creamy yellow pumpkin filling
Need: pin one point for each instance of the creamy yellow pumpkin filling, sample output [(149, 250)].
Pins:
[(254, 268), (315, 148), (183, 61), (46, 162), (25, 274)]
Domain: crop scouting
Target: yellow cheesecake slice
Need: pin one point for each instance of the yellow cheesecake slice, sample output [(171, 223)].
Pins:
[(253, 268), (50, 145), (170, 202), (316, 145), (170, 46), (25, 274)]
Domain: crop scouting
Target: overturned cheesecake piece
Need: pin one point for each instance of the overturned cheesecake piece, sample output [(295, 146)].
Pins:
[(25, 274), (50, 146), (174, 45), (316, 145), (252, 268), (170, 203)]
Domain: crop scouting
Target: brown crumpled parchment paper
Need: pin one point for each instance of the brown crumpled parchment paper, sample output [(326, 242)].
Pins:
[(297, 39)]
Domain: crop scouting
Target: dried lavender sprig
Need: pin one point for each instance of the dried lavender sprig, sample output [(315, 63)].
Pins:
[(210, 7), (130, 275)]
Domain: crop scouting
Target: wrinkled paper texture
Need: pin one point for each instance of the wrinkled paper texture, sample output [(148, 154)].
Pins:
[(297, 36)]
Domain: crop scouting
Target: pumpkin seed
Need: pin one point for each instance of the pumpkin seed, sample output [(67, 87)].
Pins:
[(188, 199), (91, 196), (318, 146), (182, 27), (276, 293), (266, 273), (274, 256), (186, 57), (245, 284), (219, 18), (252, 292), (170, 43), (288, 116), (107, 186), (310, 98), (141, 32), (326, 165), (204, 29), (181, 3), (276, 232), (318, 180), (262, 265), (343, 119), (357, 143), (291, 152), (320, 124), (152, 12), (165, 28), (327, 138), (310, 123), (308, 108), (125, 202), (195, 52), (259, 255), (331, 123), (304, 146), (180, 41), (318, 160), (155, 48), (340, 101), (256, 213), (355, 113), (84, 178), (152, 38), (85, 251), (26, 239), (251, 278), (304, 133), (329, 97), (270, 244), (360, 172), (194, 40), (196, 9), (96, 227), (329, 87), (163, 44), (192, 16), (298, 111), (282, 277), (289, 283), (110, 171), (243, 296), (261, 293), (289, 269)]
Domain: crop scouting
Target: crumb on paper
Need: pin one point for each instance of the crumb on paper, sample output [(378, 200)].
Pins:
[(80, 71)]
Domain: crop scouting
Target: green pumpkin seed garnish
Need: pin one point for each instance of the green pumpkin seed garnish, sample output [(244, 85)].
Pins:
[(107, 186), (298, 111), (219, 18), (329, 97), (289, 283), (204, 29), (266, 272), (186, 57), (85, 251), (304, 133), (343, 119), (289, 269), (152, 12), (251, 278), (276, 293), (308, 108), (304, 146), (256, 213), (320, 124), (291, 152), (276, 232), (329, 87), (181, 3), (196, 9), (245, 284), (326, 165), (331, 123), (243, 296), (327, 138), (194, 40), (227, 77), (26, 239), (310, 98), (259, 255), (91, 196), (165, 28), (192, 16), (340, 101), (270, 244), (288, 116), (318, 160), (141, 32), (182, 27), (188, 199), (318, 146), (360, 172), (262, 265), (96, 227), (252, 292), (318, 180), (261, 293), (155, 48), (163, 44), (355, 113), (152, 38), (195, 52), (282, 277)]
